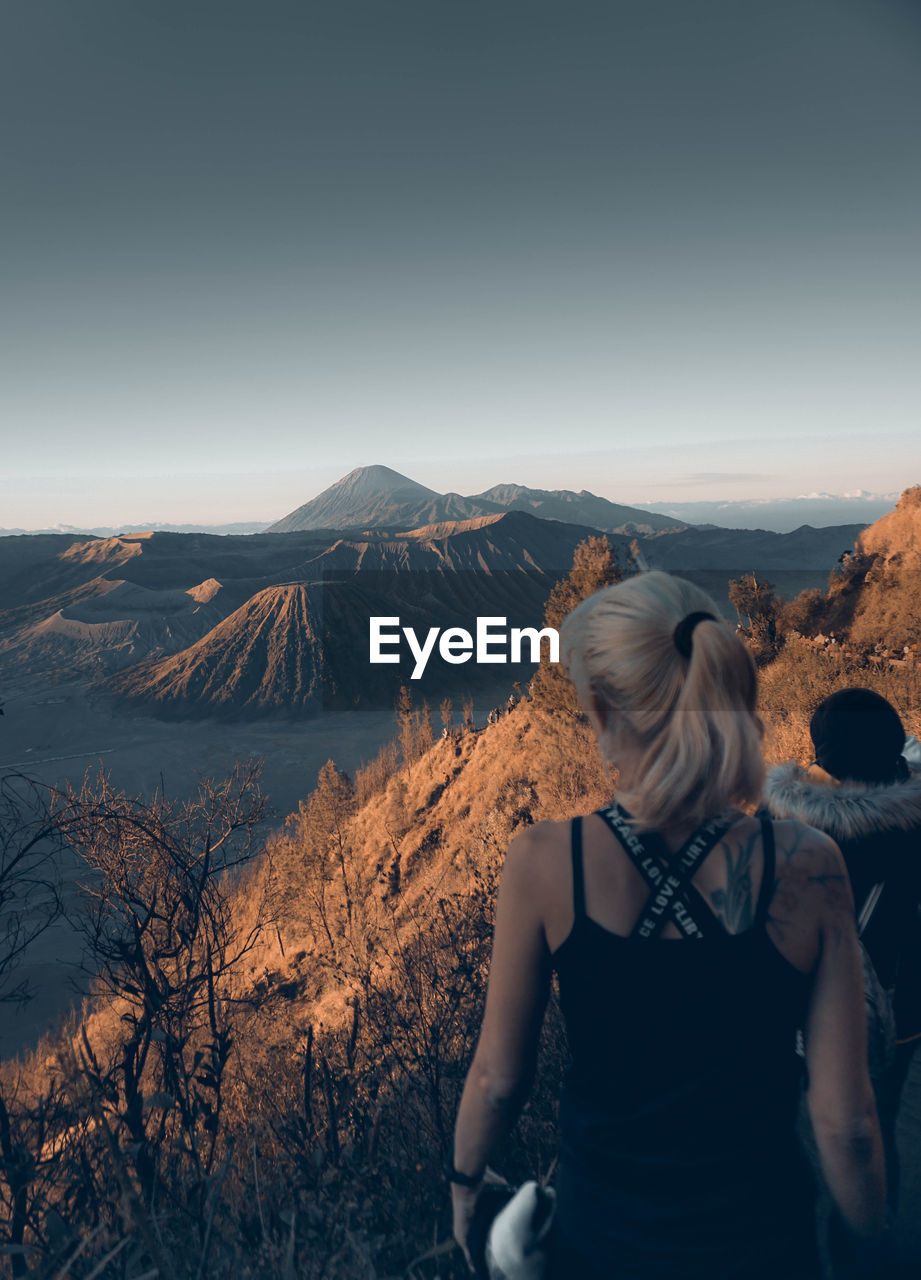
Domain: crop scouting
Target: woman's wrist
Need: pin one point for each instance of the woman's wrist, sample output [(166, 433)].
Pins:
[(457, 1177)]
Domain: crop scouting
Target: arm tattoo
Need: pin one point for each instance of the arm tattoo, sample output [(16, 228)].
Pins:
[(794, 879)]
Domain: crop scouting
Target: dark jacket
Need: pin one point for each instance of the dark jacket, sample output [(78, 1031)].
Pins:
[(878, 829)]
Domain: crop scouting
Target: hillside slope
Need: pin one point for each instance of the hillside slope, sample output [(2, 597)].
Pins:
[(874, 597), (439, 826), (265, 656), (888, 607), (116, 624)]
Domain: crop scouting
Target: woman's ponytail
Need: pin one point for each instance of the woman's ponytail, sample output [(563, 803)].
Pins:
[(656, 652)]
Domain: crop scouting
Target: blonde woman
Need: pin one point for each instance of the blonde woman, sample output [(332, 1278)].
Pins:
[(690, 941)]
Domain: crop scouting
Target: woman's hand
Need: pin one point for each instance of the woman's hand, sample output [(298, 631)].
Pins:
[(464, 1201)]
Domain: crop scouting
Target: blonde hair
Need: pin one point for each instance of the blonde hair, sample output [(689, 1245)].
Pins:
[(692, 719)]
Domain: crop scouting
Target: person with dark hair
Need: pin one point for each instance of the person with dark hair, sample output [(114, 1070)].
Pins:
[(857, 736), (691, 941), (863, 794)]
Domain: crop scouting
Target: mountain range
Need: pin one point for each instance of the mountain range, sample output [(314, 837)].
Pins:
[(196, 623), (377, 497)]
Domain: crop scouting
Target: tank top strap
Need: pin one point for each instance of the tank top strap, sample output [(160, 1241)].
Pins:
[(672, 895), (578, 873), (768, 870)]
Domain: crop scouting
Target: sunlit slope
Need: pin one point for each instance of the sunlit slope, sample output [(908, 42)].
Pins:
[(874, 597), (266, 655), (888, 606)]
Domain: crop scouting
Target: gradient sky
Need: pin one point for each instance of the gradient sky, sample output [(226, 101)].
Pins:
[(655, 249)]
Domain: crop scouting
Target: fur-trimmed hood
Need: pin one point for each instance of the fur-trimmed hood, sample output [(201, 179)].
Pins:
[(845, 810)]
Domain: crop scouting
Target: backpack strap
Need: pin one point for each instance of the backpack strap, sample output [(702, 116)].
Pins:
[(578, 871), (667, 875), (869, 906)]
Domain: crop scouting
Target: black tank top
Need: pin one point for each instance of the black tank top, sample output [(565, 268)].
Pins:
[(677, 1120)]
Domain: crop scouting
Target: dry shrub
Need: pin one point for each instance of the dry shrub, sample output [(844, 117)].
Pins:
[(569, 774), (794, 684), (372, 778), (120, 1131)]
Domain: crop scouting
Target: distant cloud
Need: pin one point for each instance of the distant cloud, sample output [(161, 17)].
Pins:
[(819, 509), (852, 495)]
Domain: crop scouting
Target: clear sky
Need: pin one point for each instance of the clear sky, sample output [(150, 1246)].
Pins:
[(651, 248)]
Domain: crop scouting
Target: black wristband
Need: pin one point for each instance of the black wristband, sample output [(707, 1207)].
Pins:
[(462, 1179)]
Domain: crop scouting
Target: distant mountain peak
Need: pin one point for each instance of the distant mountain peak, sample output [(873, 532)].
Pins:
[(377, 497), (376, 479)]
